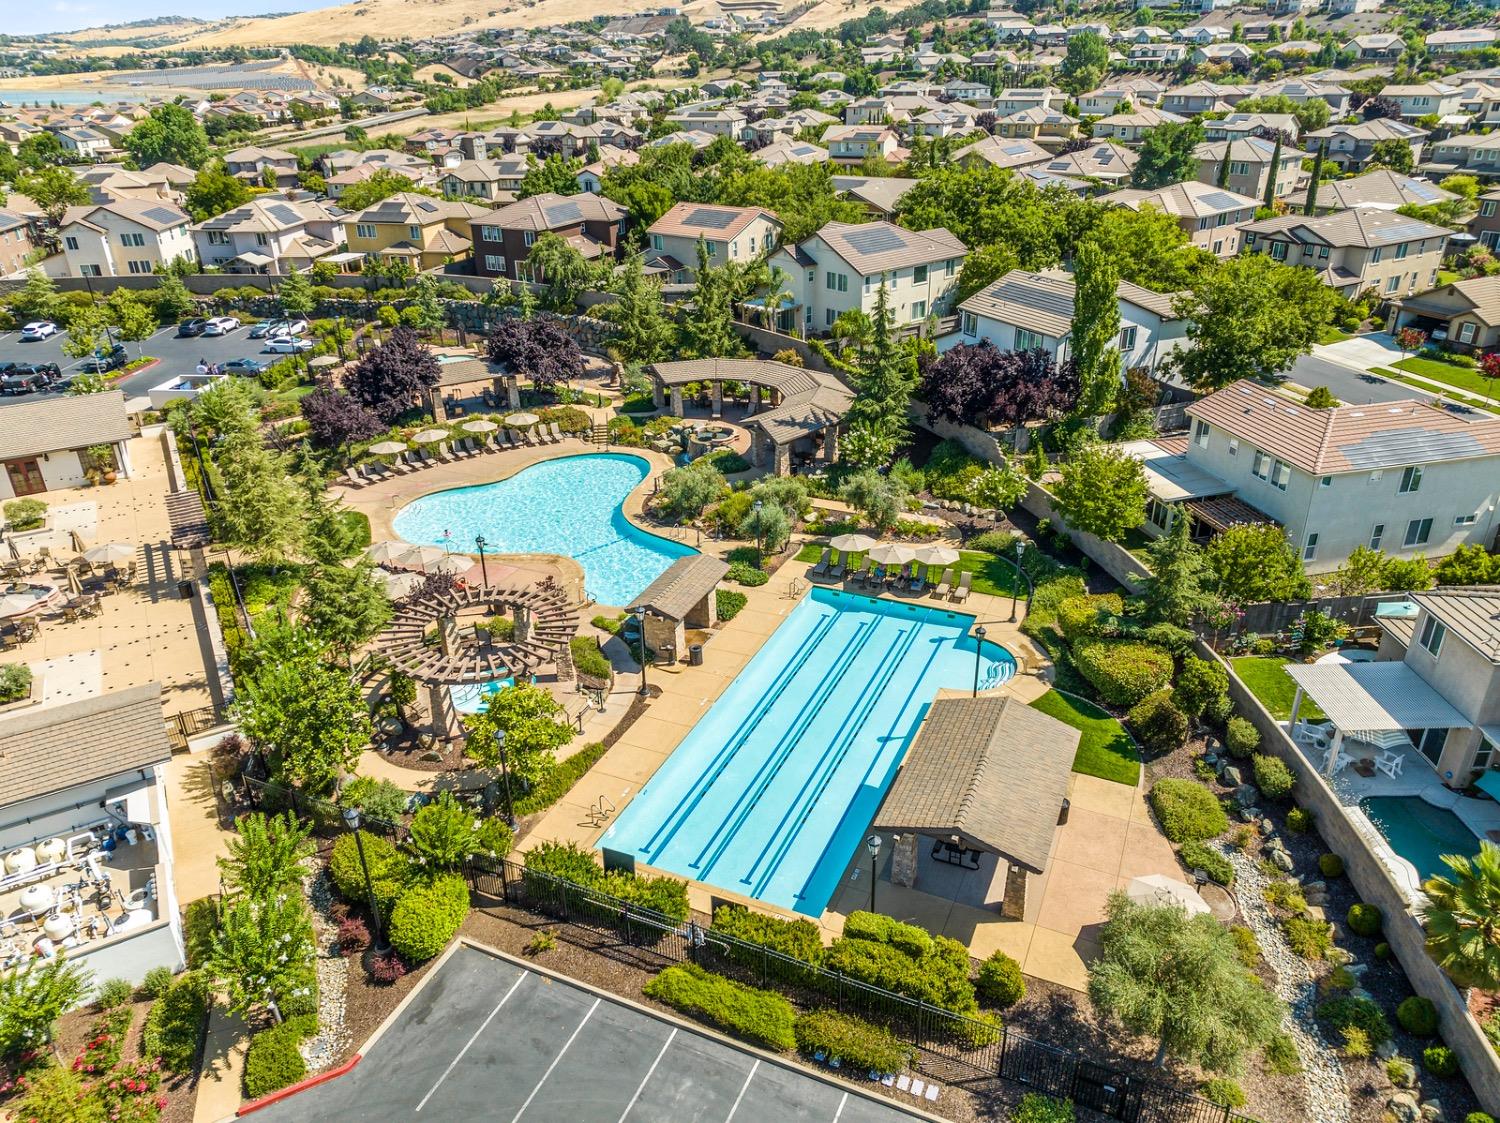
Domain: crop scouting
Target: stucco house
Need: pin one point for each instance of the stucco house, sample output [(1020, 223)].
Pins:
[(729, 233)]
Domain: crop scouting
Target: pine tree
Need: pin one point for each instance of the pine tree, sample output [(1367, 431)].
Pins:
[(1096, 327), (709, 326), (645, 333), (1223, 177), (886, 380), (1174, 592), (1270, 199), (1317, 179)]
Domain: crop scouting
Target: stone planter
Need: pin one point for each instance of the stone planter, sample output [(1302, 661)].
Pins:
[(31, 699)]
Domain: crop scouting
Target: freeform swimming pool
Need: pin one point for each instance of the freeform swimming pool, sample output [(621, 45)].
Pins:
[(568, 506), (1420, 832), (772, 789)]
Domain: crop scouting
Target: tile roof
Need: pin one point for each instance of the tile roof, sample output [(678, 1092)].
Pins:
[(1351, 438), (1378, 189), (1043, 302), (714, 222), (684, 583), (1361, 227), (1004, 153), (551, 211), (877, 247), (1474, 614), (1381, 128), (1190, 199), (1481, 294), (53, 749), (1099, 161), (54, 424)]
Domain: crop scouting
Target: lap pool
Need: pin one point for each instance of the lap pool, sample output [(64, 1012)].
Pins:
[(1420, 832), (771, 791), (568, 506)]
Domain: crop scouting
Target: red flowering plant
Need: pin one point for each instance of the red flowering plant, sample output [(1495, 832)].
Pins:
[(129, 1093), (101, 1052)]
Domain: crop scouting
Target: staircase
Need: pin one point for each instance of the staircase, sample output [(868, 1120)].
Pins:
[(599, 434)]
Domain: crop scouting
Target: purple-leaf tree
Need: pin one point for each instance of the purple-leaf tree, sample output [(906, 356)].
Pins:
[(393, 378), (979, 384), (536, 349), (334, 418)]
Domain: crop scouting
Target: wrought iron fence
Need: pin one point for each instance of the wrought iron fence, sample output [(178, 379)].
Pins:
[(182, 727)]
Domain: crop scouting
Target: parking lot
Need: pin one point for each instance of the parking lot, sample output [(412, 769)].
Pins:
[(487, 1037), (178, 356)]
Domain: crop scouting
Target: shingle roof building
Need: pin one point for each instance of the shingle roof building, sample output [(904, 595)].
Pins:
[(43, 425)]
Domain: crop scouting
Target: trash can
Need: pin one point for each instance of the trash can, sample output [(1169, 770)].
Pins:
[(1062, 816), (695, 655), (186, 589)]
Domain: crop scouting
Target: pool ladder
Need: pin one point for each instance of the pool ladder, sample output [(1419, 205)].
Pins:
[(600, 812)]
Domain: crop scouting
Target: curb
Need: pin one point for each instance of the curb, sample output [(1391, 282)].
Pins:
[(301, 1086), (122, 373)]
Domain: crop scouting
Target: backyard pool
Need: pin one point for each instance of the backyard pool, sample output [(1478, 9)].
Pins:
[(1420, 832), (568, 506), (772, 789)]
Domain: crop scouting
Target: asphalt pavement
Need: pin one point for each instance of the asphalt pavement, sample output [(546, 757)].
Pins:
[(1350, 384)]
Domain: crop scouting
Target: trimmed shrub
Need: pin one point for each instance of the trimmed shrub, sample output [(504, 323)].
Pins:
[(1440, 1060), (665, 895), (885, 953), (1382, 950), (427, 916), (1281, 1056), (1199, 683), (1272, 776), (200, 920), (1197, 856), (1000, 982), (758, 1016), (1479, 1117), (1223, 1091), (156, 982), (729, 603), (272, 1061), (744, 574), (1121, 671), (1157, 723), (1086, 617), (1345, 1012), (589, 660), (559, 779), (1309, 938), (1365, 920), (114, 992), (387, 869), (175, 1021), (1037, 1108), (855, 1042), (1188, 811), (386, 969), (353, 935), (1330, 865), (380, 800), (906, 938), (1299, 820), (1418, 1016), (1240, 737), (795, 938)]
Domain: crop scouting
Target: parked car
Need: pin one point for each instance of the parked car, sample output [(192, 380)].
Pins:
[(49, 373), (103, 361), (262, 329), (244, 366), (21, 383), (190, 329), (221, 325), (38, 330), (287, 345), (288, 327)]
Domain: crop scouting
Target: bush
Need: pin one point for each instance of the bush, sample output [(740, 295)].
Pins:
[(798, 939), (1346, 1011), (1418, 1016), (589, 660), (906, 959), (379, 800), (1330, 865), (1440, 1060), (1086, 617), (747, 575), (175, 1022), (729, 603), (1356, 1043), (1281, 1056), (1365, 920), (1000, 982), (559, 779), (1299, 820), (272, 1062), (908, 939), (15, 682), (1158, 724), (25, 514), (157, 980), (1037, 1108), (353, 935), (200, 921), (1001, 543), (427, 916), (1197, 856), (1309, 938), (1199, 685), (859, 1044), (387, 869), (1382, 950), (664, 895), (1240, 737), (1272, 776), (1188, 811), (114, 992), (1479, 1117), (1246, 945), (386, 969), (1121, 671), (758, 1016), (1223, 1091)]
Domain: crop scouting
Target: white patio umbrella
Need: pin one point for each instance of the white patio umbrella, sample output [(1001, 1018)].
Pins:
[(523, 420), (1380, 738), (384, 553), (388, 448), (19, 604), (479, 425), (109, 553), (455, 564), (420, 557), (431, 436), (1158, 889), (397, 585), (852, 543), (937, 555), (892, 553)]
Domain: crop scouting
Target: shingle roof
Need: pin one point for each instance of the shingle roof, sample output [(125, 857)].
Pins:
[(56, 423), (693, 220), (686, 582), (877, 247), (1192, 199), (1351, 438), (1473, 614), (991, 770), (1043, 302), (49, 750), (1358, 227), (550, 211)]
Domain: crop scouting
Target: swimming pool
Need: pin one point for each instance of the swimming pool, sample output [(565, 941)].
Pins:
[(772, 789), (568, 506), (1420, 832)]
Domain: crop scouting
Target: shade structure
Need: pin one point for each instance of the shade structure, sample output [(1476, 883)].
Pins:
[(397, 585), (937, 555), (431, 436), (522, 419), (388, 448), (1158, 889), (385, 553), (109, 553), (420, 557), (892, 553), (19, 604), (455, 564), (324, 361), (479, 425), (852, 543)]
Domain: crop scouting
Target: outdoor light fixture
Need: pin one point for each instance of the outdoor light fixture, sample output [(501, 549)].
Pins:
[(640, 621), (872, 847), (979, 634), (479, 545), (759, 560), (351, 820)]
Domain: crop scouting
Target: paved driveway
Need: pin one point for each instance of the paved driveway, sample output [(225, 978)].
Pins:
[(1350, 384)]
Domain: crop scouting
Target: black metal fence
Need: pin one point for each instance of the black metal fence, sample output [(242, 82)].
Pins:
[(184, 726), (952, 1047)]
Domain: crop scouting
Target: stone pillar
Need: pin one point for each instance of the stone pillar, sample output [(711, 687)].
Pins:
[(513, 391), (436, 405), (445, 724), (754, 400), (831, 444), (448, 635), (904, 860), (676, 401), (783, 465), (658, 399), (1014, 905), (522, 616), (497, 388), (718, 398)]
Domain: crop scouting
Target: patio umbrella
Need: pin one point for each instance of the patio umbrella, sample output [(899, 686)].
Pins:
[(324, 361), (384, 553), (937, 555), (109, 553), (851, 543), (420, 557), (431, 436), (892, 553), (19, 604), (1380, 738), (523, 420), (1157, 889), (479, 425), (388, 448), (456, 564), (75, 586), (397, 585)]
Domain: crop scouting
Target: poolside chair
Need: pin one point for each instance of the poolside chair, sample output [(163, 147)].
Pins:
[(917, 583), (557, 434), (446, 452), (487, 445), (516, 439), (821, 569), (1390, 763), (869, 574), (836, 570), (961, 593), (945, 586), (541, 434), (469, 447), (352, 477)]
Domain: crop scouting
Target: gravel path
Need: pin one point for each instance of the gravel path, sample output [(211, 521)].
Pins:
[(324, 1047)]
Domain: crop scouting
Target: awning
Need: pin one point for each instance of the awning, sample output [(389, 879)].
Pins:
[(1396, 610), (1489, 782), (250, 257), (1374, 696), (134, 802)]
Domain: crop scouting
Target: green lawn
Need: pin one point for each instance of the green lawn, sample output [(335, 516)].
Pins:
[(992, 575), (1331, 334), (1105, 750), (1451, 374), (1455, 394), (1273, 686)]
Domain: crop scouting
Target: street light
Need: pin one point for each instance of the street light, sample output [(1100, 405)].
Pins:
[(979, 634), (759, 560), (640, 637), (1015, 590), (510, 807), (480, 544), (872, 847), (351, 820)]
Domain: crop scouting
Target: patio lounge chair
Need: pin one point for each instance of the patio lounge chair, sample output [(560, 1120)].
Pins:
[(465, 448), (1338, 763), (488, 445), (961, 593), (945, 586), (444, 453), (1390, 763), (557, 434), (376, 471), (352, 477), (517, 439), (917, 583), (821, 569), (836, 569), (869, 574)]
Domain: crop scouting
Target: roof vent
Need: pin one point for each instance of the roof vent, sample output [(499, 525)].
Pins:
[(1356, 413)]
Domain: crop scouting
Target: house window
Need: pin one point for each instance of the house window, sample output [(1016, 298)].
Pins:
[(1326, 481), (528, 237), (1465, 520), (1278, 251), (968, 324), (837, 282), (1376, 534), (1029, 340), (1401, 250), (1310, 550), (828, 317), (1260, 467), (494, 263), (1281, 475), (949, 266), (1234, 446), (1393, 284), (919, 275), (1375, 255), (1200, 433), (1487, 209), (1127, 338), (919, 310), (1466, 333), (71, 242), (414, 233), (490, 233), (140, 267), (1433, 631), (364, 229), (1418, 531), (261, 240), (1411, 479), (132, 239)]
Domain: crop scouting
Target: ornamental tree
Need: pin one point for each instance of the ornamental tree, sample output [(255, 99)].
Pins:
[(1175, 590), (261, 506), (394, 377), (345, 606), (644, 333), (170, 134), (265, 855), (1255, 562), (1102, 491), (1168, 155), (214, 191), (979, 384), (1462, 918), (1095, 330), (335, 419), (262, 950), (1489, 367), (33, 997), (881, 499), (536, 349), (534, 724)]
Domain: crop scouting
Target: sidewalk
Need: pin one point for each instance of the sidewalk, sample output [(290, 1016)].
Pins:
[(223, 1068)]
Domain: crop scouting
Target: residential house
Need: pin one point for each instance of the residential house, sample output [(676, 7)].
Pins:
[(1000, 153), (418, 229), (1424, 99), (1463, 314), (1202, 97), (1376, 47), (1230, 54), (1351, 146), (17, 242), (1353, 7), (45, 442), (126, 237), (335, 185), (1134, 92), (717, 122), (591, 176), (1133, 127), (1355, 250), (1380, 189), (738, 234), (790, 152), (1476, 154), (1252, 164), (269, 235), (1302, 90), (83, 143), (697, 139), (880, 195), (1211, 216), (1024, 311), (490, 181), (851, 144), (503, 238), (1293, 50), (1485, 224), (1039, 97), (1235, 126), (251, 163), (843, 265), (951, 120), (1457, 40), (1043, 126), (1106, 161)]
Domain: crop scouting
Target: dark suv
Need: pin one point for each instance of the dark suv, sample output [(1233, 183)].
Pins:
[(190, 328), (22, 380), (112, 359)]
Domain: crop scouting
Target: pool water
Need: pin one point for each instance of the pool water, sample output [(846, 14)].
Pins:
[(568, 506), (1420, 832), (470, 698), (773, 788)]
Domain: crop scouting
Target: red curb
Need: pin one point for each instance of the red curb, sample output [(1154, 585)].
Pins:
[(123, 373), (300, 1086)]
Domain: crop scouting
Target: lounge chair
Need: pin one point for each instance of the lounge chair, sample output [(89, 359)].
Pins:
[(374, 472), (1390, 763), (870, 573), (836, 570), (445, 453), (353, 477), (821, 569), (917, 583), (414, 460), (466, 447), (488, 445), (961, 593), (546, 435), (557, 434), (945, 586), (516, 439)]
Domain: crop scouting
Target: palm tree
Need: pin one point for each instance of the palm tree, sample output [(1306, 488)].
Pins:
[(778, 289), (1462, 917), (852, 328)]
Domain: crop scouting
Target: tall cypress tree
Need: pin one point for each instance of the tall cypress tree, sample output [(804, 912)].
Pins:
[(1224, 164), (886, 379), (1096, 327), (1311, 206), (1270, 199)]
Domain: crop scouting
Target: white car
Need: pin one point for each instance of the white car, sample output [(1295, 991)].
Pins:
[(287, 345), (38, 330), (288, 327), (221, 325)]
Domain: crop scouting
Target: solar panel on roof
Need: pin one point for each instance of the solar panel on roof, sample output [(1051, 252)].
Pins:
[(1422, 190), (562, 213), (875, 239), (709, 218), (1403, 231), (1220, 199), (285, 213), (163, 214)]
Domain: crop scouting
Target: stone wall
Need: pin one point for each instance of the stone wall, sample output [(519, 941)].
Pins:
[(1114, 559)]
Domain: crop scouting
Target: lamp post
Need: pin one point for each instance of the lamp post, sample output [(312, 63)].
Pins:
[(872, 847), (351, 820), (480, 544), (510, 807), (1020, 573), (640, 637), (979, 634), (759, 560)]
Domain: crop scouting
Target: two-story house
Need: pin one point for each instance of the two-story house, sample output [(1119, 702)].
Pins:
[(503, 238), (1464, 314), (1252, 161), (489, 181), (1202, 97), (1382, 189), (1025, 311), (1233, 126), (423, 231), (268, 236), (1133, 127), (1105, 161), (1376, 47), (998, 153), (842, 267), (1457, 40), (1044, 126), (718, 122), (1355, 250), (17, 242), (727, 233), (1424, 99), (1476, 154), (123, 238), (253, 162), (1135, 92), (1485, 223), (1303, 90), (1211, 216), (1351, 146), (850, 144)]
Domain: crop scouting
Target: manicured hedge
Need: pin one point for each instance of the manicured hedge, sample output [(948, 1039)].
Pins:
[(758, 1016), (1157, 722), (906, 959), (1188, 811), (1272, 776), (665, 895), (798, 939), (589, 660), (427, 916), (387, 869), (1000, 981), (855, 1042), (728, 603), (200, 921), (272, 1062), (1121, 671), (1083, 618), (1418, 1016), (1195, 855), (175, 1021), (559, 779)]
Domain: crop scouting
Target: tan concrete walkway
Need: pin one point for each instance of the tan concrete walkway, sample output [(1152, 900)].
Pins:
[(219, 1081)]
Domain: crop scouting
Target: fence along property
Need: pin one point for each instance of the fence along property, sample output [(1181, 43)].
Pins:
[(953, 1047)]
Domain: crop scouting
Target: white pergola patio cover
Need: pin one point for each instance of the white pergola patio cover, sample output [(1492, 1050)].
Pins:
[(1372, 696)]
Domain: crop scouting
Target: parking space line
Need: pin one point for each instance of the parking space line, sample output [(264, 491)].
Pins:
[(555, 1060), (839, 1113), (644, 1080), (745, 1087), (453, 1063)]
